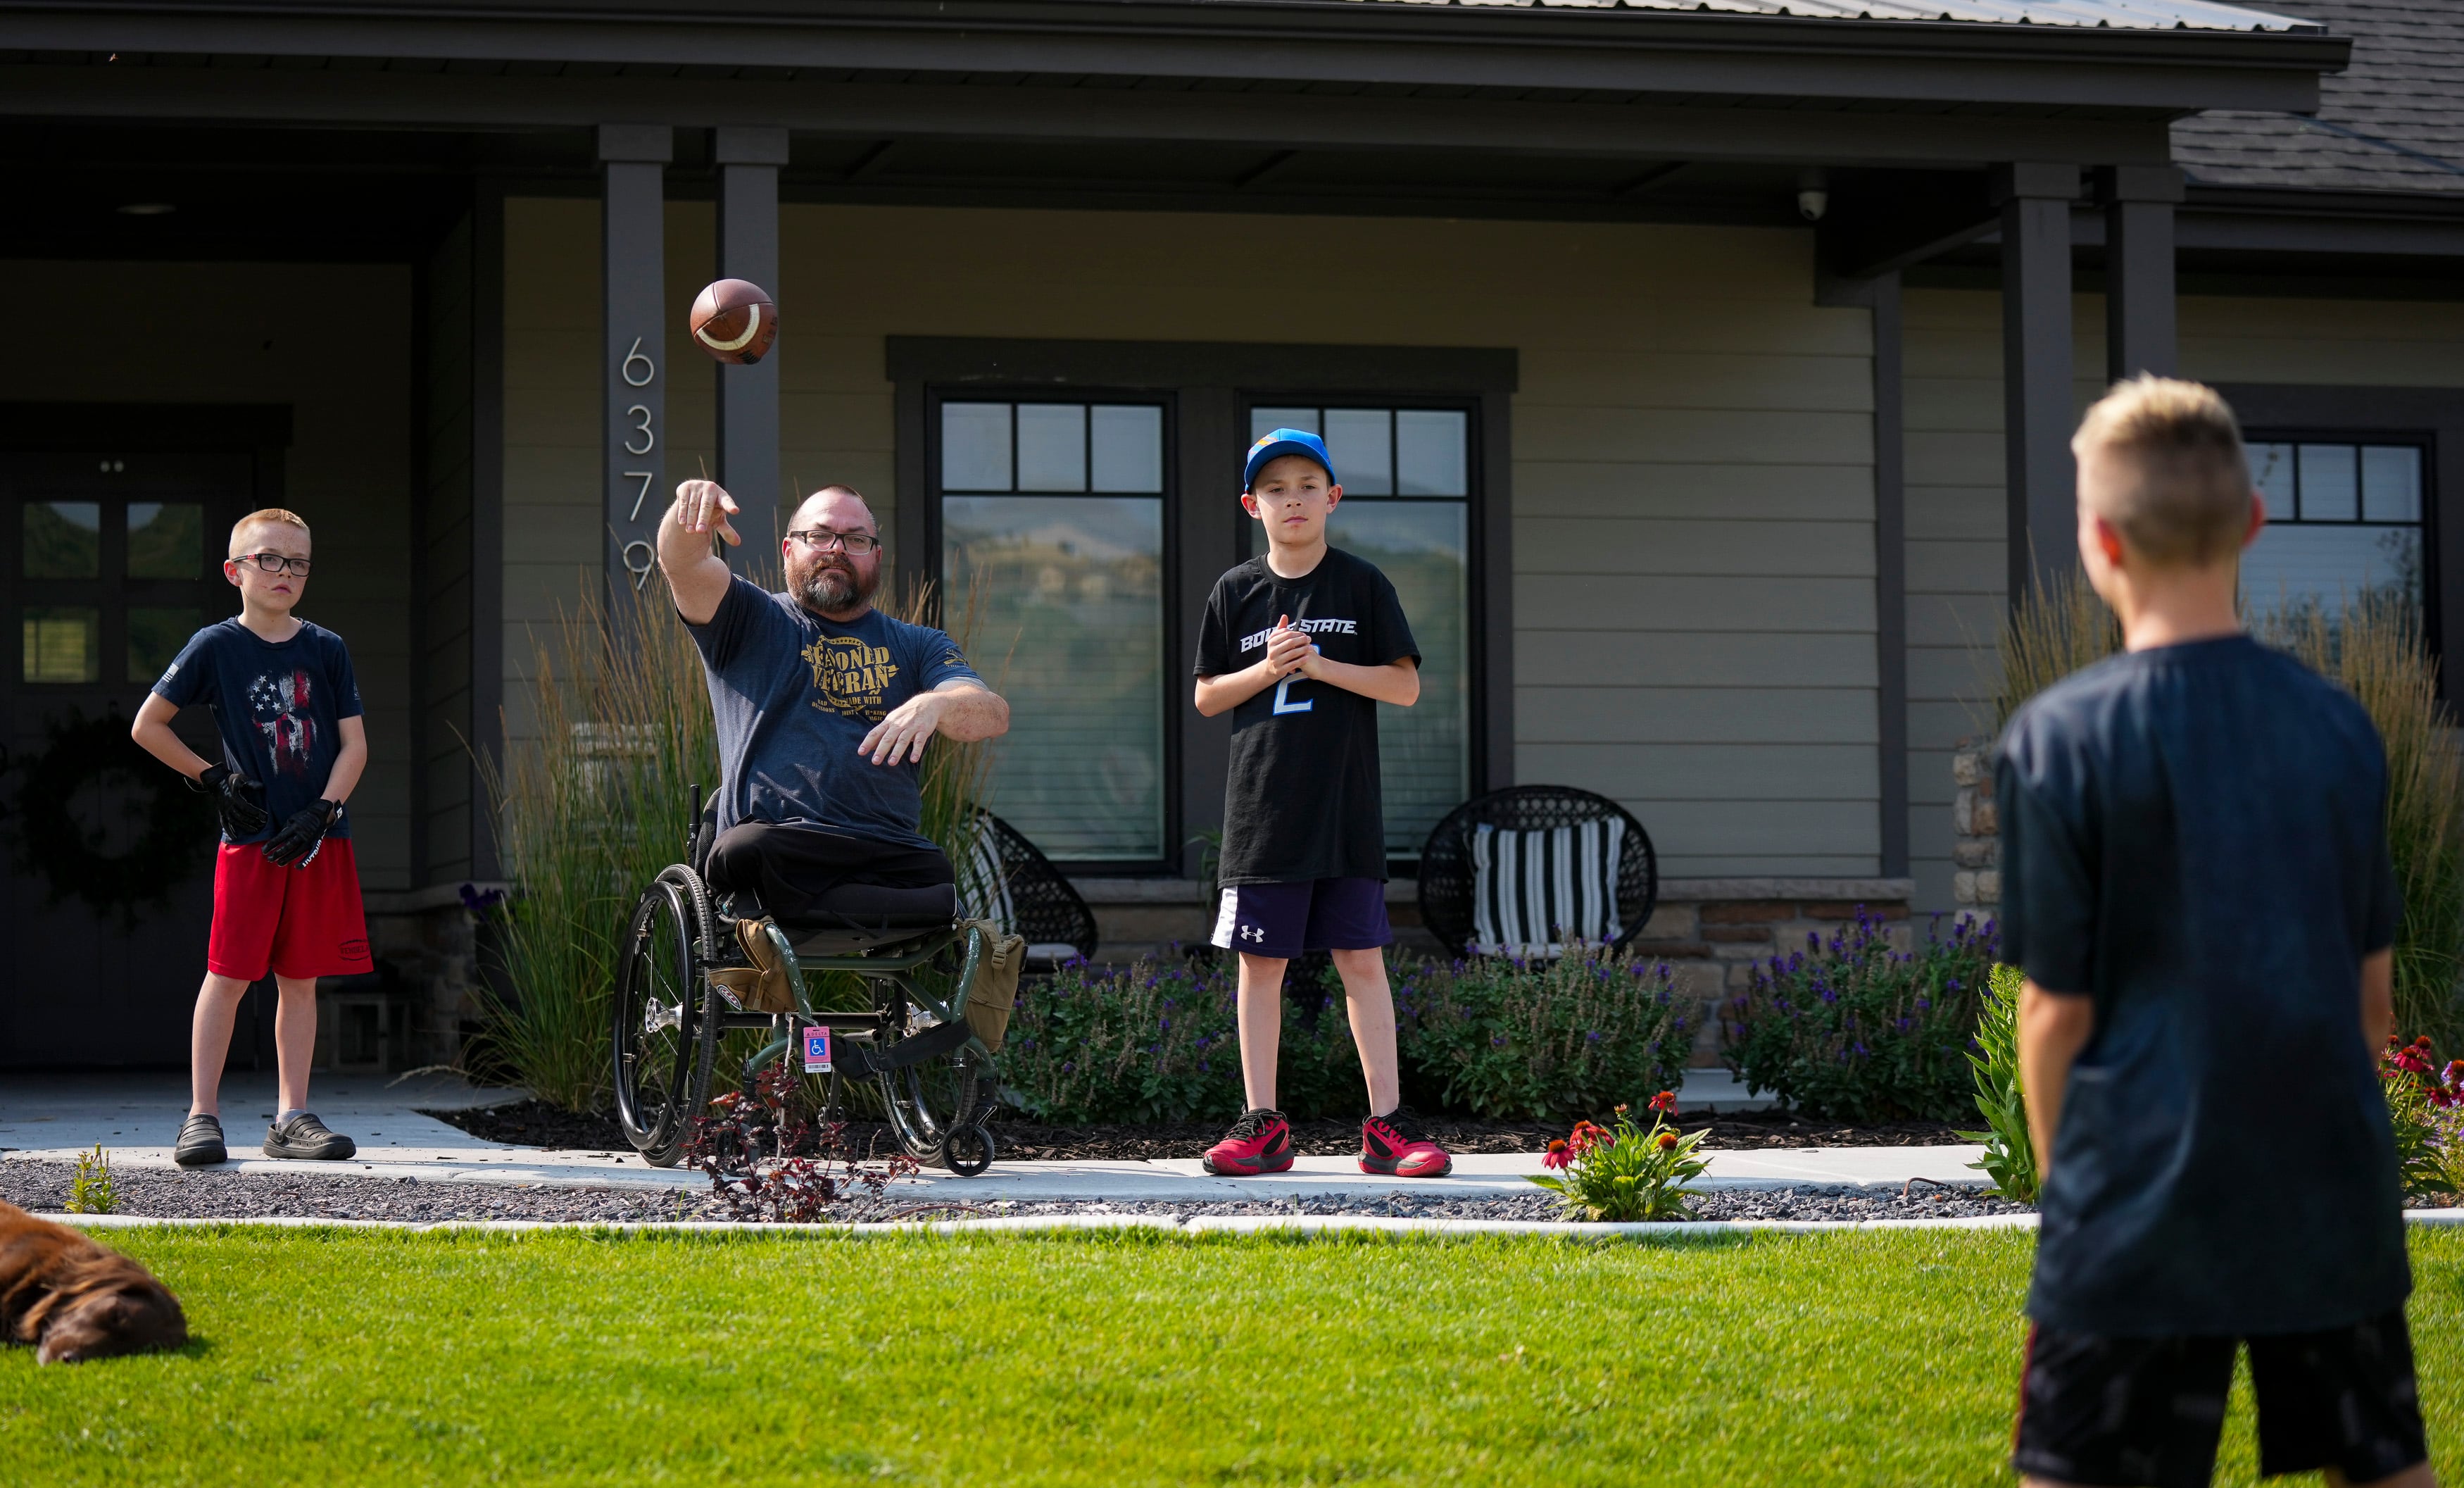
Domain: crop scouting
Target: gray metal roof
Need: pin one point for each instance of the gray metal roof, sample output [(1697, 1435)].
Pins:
[(2117, 14), (2391, 122)]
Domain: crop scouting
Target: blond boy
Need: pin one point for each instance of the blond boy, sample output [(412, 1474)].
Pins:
[(286, 887), (2196, 882)]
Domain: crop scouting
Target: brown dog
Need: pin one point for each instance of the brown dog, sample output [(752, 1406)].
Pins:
[(73, 1299)]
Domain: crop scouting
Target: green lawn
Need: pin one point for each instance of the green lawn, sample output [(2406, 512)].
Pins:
[(335, 1357)]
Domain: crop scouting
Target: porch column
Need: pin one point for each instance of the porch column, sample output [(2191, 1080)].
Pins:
[(2036, 206), (2139, 324), (633, 160), (748, 163)]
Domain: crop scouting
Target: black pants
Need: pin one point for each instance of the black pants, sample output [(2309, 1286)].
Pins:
[(783, 868)]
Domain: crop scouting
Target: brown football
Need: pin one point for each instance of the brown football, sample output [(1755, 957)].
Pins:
[(734, 320)]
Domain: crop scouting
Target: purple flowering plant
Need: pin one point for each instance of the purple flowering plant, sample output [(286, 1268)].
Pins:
[(1853, 1027), (1519, 1038)]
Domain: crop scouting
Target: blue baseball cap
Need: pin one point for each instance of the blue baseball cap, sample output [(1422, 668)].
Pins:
[(1281, 442)]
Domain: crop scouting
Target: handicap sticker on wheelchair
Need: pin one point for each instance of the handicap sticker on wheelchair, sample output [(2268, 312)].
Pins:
[(817, 1050)]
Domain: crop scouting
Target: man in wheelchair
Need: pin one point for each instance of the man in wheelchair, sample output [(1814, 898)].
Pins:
[(824, 706)]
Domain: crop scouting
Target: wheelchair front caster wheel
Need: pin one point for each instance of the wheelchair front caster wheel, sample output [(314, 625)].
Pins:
[(968, 1151)]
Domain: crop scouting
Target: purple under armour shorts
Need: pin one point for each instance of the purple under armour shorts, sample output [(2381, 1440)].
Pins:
[(1282, 920)]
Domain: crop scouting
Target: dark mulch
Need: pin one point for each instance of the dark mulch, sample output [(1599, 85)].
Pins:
[(534, 1123)]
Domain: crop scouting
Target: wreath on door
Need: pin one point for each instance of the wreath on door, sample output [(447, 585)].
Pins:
[(52, 843)]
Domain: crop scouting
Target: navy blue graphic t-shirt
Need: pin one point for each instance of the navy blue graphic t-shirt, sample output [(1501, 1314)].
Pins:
[(2195, 837), (1303, 800), (278, 705), (793, 694)]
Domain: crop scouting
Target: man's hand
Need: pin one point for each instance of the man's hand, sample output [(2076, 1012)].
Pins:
[(297, 840), (702, 505), (697, 577), (238, 801), (899, 738)]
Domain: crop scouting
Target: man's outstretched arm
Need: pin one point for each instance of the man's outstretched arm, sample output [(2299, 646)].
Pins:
[(960, 709), (697, 577)]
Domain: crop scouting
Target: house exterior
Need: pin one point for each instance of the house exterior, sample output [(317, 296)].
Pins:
[(1704, 375)]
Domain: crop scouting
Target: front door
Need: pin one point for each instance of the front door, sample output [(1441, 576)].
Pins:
[(108, 563)]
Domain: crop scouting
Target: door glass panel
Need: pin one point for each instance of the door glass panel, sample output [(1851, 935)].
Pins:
[(165, 540), (1429, 452), (155, 635), (63, 539), (1052, 447), (63, 643), (1362, 443), (974, 446), (1127, 442), (1071, 594), (1421, 750)]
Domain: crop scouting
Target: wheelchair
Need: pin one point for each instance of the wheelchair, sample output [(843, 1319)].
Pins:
[(934, 1076)]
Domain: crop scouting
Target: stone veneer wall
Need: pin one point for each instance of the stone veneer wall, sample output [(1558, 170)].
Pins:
[(1976, 842)]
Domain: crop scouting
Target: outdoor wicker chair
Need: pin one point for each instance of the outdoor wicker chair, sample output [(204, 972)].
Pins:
[(1541, 881), (1006, 880)]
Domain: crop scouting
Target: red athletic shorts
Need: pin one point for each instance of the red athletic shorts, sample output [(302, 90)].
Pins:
[(300, 921)]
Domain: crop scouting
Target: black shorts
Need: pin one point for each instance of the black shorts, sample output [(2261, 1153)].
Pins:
[(2145, 1412)]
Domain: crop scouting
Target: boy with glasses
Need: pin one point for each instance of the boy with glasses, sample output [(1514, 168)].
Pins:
[(286, 887), (1300, 644)]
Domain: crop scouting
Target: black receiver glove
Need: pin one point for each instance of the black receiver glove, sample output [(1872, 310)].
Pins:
[(236, 800), (296, 842)]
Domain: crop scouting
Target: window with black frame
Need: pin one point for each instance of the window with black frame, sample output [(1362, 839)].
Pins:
[(2345, 523), (1406, 475), (1052, 531)]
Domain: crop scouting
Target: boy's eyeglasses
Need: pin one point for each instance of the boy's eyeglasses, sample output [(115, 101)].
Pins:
[(822, 539), (275, 563)]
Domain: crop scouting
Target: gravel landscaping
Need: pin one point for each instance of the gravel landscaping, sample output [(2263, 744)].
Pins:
[(320, 1195), (534, 1123)]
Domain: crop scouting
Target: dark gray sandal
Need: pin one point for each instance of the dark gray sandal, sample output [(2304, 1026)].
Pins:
[(304, 1136), (200, 1143)]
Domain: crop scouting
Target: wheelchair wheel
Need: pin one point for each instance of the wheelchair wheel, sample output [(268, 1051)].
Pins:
[(665, 1026), (968, 1151), (929, 1101)]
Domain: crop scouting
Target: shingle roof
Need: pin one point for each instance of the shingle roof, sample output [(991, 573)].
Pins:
[(2391, 122), (2118, 14)]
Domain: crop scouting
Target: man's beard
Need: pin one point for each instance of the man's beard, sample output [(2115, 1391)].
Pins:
[(825, 587)]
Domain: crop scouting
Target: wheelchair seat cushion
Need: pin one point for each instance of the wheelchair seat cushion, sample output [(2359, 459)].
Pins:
[(872, 906)]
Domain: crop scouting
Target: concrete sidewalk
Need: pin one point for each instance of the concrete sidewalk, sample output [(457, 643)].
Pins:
[(134, 1117)]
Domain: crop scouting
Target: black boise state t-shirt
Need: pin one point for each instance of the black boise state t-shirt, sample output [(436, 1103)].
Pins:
[(1302, 799), (278, 706), (2194, 836)]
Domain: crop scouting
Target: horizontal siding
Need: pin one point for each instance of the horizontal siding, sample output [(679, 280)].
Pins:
[(1693, 491), (1956, 523)]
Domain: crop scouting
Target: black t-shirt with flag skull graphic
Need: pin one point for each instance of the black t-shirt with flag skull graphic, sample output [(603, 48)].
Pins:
[(1302, 800), (279, 707)]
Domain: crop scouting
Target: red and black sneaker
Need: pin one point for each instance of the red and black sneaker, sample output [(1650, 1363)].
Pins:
[(1395, 1143), (1260, 1142)]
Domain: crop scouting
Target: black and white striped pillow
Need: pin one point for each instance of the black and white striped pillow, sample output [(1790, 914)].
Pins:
[(1533, 891)]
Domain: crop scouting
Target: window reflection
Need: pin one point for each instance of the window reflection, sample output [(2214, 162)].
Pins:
[(63, 539)]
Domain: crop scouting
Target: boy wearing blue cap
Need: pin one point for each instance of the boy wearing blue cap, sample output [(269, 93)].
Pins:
[(1300, 644)]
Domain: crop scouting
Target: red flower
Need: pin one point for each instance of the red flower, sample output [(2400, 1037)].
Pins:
[(2455, 1073), (1665, 1100), (1668, 1140), (1556, 1156)]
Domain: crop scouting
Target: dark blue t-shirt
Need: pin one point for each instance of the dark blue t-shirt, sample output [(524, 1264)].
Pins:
[(278, 708), (794, 694), (2195, 837)]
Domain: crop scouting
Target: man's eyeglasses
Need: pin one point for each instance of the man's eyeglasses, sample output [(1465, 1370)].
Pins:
[(275, 563), (822, 539)]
